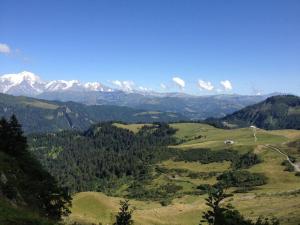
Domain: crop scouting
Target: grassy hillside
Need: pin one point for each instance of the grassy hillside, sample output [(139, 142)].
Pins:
[(38, 115), (280, 196), (277, 112)]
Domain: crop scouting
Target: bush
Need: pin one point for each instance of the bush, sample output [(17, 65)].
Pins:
[(241, 178), (245, 161), (288, 166), (208, 156)]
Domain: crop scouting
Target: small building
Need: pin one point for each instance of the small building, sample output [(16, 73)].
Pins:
[(229, 142)]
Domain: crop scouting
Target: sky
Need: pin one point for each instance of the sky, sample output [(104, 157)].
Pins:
[(194, 46)]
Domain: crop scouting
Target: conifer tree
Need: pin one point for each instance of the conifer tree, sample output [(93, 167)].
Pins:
[(219, 214), (19, 144), (124, 215)]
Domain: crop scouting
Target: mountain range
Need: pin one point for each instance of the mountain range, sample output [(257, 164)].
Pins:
[(94, 93), (38, 115), (29, 84)]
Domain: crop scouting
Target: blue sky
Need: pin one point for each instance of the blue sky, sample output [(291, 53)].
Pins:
[(255, 45)]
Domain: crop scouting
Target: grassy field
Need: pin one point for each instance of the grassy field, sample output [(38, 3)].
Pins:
[(132, 127), (279, 197)]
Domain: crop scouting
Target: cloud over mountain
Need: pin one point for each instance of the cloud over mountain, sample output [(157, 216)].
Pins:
[(179, 82), (226, 84), (205, 85), (126, 85)]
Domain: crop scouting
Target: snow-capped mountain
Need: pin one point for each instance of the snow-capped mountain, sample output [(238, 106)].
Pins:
[(125, 94), (24, 83), (29, 84)]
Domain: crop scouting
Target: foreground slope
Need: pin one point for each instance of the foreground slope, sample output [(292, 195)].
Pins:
[(28, 193)]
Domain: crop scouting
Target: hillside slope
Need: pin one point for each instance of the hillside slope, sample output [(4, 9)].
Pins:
[(277, 112), (28, 193), (40, 115)]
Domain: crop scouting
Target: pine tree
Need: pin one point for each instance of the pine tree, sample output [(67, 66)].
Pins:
[(4, 135), (226, 214), (124, 215), (19, 144)]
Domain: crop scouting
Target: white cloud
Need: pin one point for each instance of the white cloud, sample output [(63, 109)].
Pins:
[(179, 82), (117, 83), (126, 85), (4, 48), (205, 85), (144, 89), (163, 86), (226, 85)]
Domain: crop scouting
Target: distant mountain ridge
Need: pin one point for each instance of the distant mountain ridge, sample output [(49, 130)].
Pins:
[(276, 112), (42, 116), (94, 93), (193, 107)]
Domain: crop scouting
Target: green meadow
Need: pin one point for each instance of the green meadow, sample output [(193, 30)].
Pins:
[(279, 197)]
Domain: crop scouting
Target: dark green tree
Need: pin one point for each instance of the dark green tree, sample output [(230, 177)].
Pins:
[(219, 214), (20, 141), (124, 215)]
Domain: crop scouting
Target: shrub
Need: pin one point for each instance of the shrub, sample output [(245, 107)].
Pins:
[(241, 178)]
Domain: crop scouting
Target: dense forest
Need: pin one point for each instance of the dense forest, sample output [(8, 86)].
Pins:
[(102, 155), (105, 157)]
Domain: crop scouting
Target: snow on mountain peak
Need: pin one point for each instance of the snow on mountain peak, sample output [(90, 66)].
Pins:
[(18, 78), (27, 83), (21, 83), (93, 86), (60, 85)]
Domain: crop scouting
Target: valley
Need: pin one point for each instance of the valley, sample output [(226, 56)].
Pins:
[(279, 196), (149, 112)]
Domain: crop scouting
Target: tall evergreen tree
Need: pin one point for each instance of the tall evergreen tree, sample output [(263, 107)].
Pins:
[(124, 215), (20, 141)]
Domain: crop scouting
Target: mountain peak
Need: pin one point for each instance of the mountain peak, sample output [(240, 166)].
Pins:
[(23, 83), (18, 78), (28, 84)]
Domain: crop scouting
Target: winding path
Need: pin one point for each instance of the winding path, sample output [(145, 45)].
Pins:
[(296, 166)]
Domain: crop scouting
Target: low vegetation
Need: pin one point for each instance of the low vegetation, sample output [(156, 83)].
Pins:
[(243, 179), (239, 161)]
